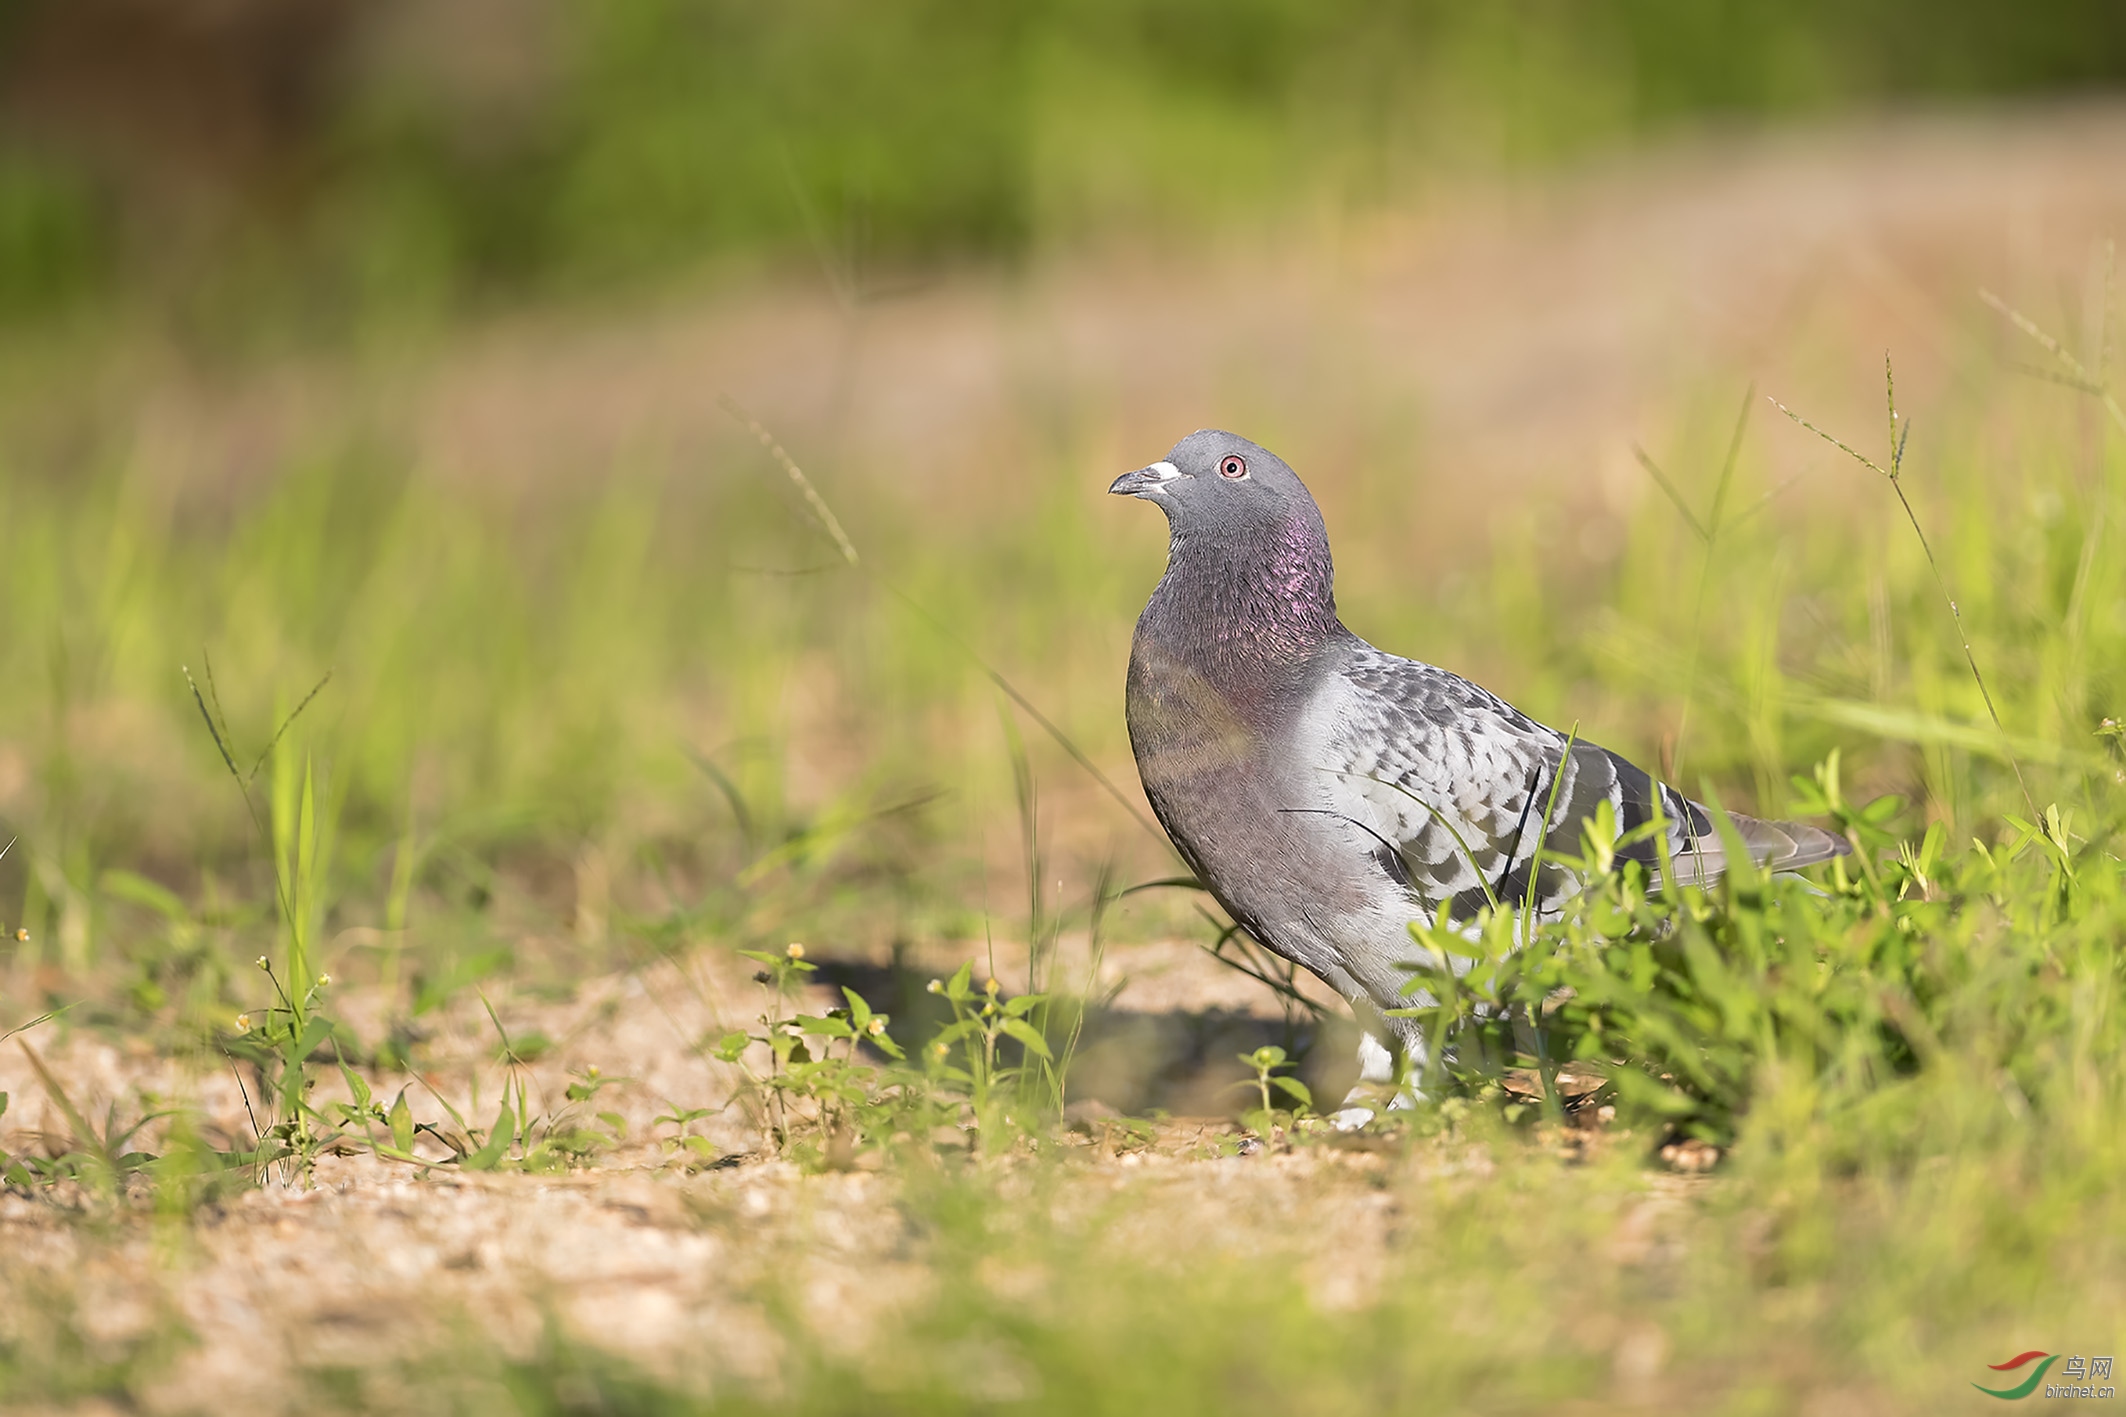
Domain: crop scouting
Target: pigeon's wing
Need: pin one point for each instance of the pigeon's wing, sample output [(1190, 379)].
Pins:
[(1455, 792)]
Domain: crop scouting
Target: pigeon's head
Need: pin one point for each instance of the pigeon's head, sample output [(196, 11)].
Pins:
[(1219, 482), (1247, 555)]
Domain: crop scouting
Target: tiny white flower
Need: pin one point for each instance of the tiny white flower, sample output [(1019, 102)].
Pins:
[(877, 1026), (243, 1023), (261, 963), (936, 986), (796, 951)]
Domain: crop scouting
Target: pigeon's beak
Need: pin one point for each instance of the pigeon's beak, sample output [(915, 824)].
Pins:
[(1145, 481)]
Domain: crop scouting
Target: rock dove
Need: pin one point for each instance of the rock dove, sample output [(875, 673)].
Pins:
[(1328, 793)]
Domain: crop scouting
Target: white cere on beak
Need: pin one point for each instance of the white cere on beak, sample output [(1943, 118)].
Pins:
[(1167, 473), (1146, 481)]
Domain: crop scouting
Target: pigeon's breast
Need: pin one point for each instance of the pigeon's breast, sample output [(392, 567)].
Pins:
[(1193, 741), (1219, 774)]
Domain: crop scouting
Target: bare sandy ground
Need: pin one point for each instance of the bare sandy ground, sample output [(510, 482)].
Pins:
[(670, 1259), (658, 1254)]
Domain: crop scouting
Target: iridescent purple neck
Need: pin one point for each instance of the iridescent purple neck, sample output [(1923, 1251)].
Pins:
[(1247, 603)]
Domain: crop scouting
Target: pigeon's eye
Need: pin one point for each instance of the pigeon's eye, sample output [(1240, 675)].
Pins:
[(1232, 465)]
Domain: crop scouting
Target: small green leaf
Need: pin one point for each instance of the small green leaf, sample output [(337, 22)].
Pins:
[(499, 1137), (1028, 1035), (315, 1031), (680, 1119), (1296, 1089), (859, 1011), (355, 1086), (953, 1032)]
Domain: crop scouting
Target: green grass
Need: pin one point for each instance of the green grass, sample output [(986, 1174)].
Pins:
[(569, 729)]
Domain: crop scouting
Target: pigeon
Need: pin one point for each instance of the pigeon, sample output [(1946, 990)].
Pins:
[(1328, 793)]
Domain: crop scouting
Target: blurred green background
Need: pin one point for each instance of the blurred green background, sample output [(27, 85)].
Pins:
[(327, 159)]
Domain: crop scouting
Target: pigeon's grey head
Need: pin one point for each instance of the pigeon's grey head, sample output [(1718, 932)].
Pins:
[(1221, 484), (1249, 590)]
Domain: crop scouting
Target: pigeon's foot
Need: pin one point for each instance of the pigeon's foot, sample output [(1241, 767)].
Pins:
[(1368, 1101)]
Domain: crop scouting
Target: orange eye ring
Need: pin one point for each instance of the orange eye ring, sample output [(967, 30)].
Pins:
[(1232, 465)]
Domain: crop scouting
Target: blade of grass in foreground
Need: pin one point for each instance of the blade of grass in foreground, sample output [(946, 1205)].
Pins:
[(1900, 434)]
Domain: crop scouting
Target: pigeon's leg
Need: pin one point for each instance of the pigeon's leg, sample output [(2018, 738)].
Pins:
[(1391, 1054)]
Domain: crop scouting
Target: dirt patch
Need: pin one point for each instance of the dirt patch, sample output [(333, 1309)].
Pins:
[(677, 1261)]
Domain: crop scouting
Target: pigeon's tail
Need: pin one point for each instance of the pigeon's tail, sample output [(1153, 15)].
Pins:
[(1788, 846), (1775, 846)]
